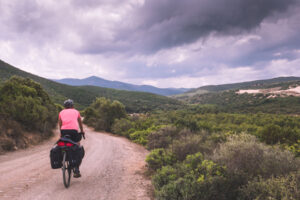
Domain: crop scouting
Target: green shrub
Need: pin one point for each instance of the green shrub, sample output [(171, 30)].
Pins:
[(164, 176), (279, 188), (244, 154), (162, 138), (295, 148), (193, 179), (25, 101), (186, 145), (192, 161), (140, 136), (102, 113), (159, 158), (122, 127), (271, 134)]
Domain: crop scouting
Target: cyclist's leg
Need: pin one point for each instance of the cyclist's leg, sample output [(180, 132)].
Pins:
[(77, 138)]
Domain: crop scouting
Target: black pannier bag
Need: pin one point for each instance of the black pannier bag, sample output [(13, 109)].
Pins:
[(75, 155), (81, 152), (56, 157)]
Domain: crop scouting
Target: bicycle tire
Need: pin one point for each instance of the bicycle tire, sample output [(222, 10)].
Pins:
[(66, 170)]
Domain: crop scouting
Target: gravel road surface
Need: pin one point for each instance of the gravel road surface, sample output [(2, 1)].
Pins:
[(113, 168)]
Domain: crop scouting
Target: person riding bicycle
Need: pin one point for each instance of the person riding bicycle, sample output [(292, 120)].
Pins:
[(69, 119)]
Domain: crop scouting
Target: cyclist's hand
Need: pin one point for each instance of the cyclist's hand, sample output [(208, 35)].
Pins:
[(83, 134)]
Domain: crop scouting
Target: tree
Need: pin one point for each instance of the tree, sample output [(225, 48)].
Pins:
[(102, 113)]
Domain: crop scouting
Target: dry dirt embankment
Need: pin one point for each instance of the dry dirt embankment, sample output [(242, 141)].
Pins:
[(113, 168)]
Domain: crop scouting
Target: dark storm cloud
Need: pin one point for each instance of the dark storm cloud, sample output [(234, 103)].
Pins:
[(137, 40), (30, 20), (160, 24)]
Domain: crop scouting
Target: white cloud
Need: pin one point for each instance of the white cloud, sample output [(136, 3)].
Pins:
[(283, 67), (247, 39)]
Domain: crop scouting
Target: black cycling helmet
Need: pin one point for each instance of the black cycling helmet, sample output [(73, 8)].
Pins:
[(69, 103)]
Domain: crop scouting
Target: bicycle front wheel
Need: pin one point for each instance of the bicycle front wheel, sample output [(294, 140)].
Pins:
[(66, 170)]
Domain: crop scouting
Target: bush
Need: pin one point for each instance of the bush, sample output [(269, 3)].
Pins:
[(162, 137), (140, 136), (165, 175), (244, 154), (102, 113), (271, 134), (186, 145), (122, 127), (192, 179), (295, 148), (159, 158), (7, 144), (25, 101), (192, 161), (286, 187)]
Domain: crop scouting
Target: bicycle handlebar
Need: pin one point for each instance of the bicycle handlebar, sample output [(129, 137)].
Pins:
[(83, 134)]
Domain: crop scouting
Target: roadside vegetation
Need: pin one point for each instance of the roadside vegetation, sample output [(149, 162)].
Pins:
[(102, 113), (24, 107), (202, 152)]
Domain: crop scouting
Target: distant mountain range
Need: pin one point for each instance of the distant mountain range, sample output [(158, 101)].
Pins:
[(100, 82), (143, 101)]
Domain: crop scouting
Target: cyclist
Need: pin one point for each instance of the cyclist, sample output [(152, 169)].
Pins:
[(69, 119)]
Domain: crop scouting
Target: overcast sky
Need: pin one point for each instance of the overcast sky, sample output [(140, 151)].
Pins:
[(164, 43)]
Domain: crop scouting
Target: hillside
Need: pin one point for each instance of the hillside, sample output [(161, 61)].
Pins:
[(27, 115), (279, 98), (100, 82), (85, 95), (258, 84)]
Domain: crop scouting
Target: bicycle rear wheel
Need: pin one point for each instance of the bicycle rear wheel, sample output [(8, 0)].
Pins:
[(66, 170)]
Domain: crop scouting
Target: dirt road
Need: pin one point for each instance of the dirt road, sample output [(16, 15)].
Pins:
[(112, 168)]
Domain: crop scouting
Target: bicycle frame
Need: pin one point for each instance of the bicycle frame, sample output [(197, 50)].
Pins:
[(65, 144)]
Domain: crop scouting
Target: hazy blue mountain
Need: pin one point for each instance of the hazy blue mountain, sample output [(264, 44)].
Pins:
[(100, 82)]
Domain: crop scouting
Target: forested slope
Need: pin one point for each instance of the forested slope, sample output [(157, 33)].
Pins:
[(274, 82), (269, 96)]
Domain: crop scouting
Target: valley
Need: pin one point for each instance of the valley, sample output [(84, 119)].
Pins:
[(242, 135)]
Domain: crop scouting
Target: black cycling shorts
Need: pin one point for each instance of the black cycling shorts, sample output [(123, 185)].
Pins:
[(75, 136)]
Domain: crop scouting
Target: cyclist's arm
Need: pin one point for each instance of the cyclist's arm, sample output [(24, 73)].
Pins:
[(59, 123), (80, 124)]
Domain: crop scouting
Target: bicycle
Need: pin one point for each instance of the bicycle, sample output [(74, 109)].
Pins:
[(68, 161), (65, 144)]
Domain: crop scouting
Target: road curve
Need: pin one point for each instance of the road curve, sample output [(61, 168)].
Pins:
[(112, 168)]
